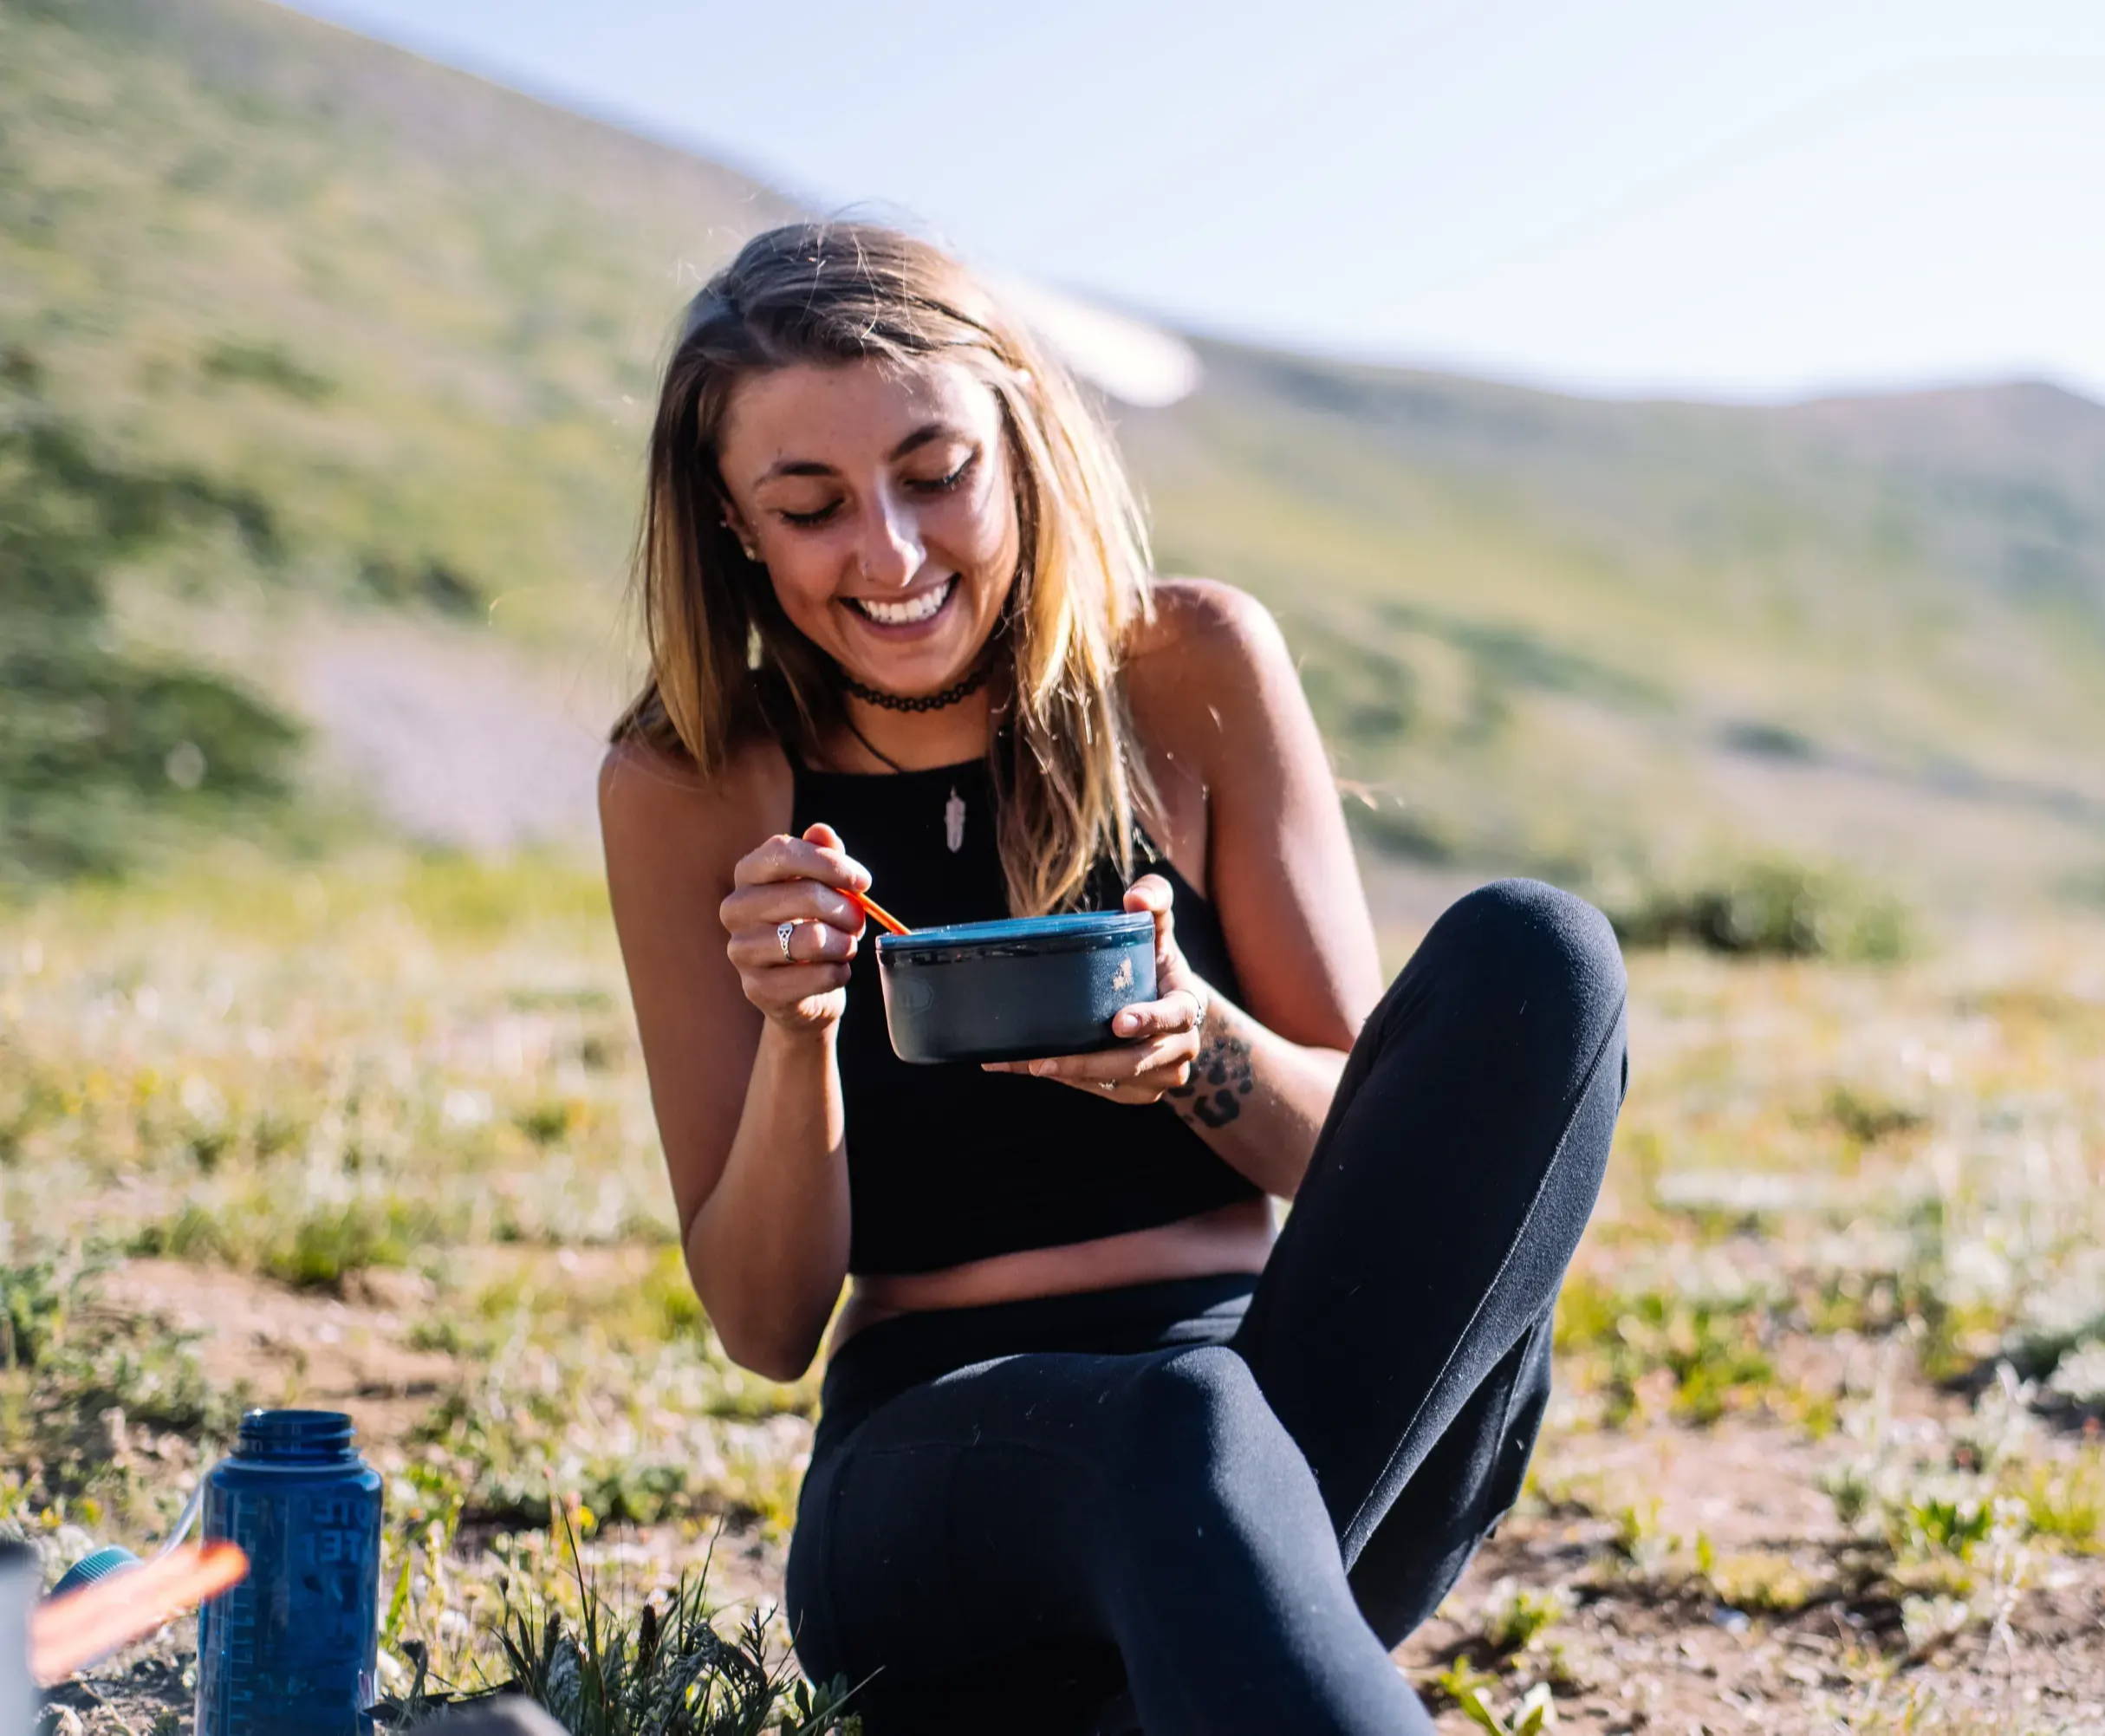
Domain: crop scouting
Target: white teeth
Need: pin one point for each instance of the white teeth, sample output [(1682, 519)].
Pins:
[(903, 613)]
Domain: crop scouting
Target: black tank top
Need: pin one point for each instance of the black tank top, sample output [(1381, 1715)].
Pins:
[(947, 1164)]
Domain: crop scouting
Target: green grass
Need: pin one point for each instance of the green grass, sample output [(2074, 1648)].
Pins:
[(397, 1096), (317, 1246)]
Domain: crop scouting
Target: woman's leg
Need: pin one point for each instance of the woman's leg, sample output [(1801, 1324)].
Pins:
[(1400, 1331), (990, 1527)]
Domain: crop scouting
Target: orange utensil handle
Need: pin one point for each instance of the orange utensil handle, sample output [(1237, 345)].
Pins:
[(879, 914), (71, 1632)]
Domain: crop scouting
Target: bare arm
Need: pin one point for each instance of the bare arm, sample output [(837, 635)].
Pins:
[(738, 1044), (1281, 873), (1254, 1081)]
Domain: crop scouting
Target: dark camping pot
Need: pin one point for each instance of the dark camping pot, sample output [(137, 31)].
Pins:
[(1017, 989)]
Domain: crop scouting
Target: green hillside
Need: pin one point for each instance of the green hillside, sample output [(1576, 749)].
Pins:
[(1875, 626), (412, 313), (377, 339)]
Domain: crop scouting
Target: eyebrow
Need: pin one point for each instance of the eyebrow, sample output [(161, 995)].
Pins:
[(921, 437)]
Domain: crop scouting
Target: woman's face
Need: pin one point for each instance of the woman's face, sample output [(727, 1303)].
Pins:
[(881, 501)]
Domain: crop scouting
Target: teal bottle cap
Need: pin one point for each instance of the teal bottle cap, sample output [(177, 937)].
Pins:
[(98, 1563)]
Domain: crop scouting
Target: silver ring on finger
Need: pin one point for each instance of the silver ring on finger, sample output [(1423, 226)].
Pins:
[(783, 931)]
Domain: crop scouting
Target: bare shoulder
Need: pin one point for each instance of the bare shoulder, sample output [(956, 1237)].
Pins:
[(1218, 690), (655, 807), (1213, 656), (1208, 619)]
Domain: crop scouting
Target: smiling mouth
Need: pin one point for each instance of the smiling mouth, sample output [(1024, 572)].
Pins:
[(907, 610)]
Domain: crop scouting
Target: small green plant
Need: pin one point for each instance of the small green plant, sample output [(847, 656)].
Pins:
[(316, 1246), (328, 1243), (551, 1121), (2065, 1504), (1516, 1616), (1940, 1524), (1702, 1356), (1534, 1712), (1761, 1582), (1638, 1539), (664, 1671), (1460, 1677), (1867, 1116)]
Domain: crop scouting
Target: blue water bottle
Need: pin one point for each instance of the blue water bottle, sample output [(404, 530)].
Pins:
[(292, 1647)]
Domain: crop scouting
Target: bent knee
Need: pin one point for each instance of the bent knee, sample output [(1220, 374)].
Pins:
[(1542, 938), (1197, 1407), (1196, 1436), (1200, 1390)]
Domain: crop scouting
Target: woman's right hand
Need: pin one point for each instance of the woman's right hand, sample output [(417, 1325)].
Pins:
[(796, 879)]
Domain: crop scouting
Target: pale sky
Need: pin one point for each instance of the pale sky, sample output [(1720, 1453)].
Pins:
[(1717, 200)]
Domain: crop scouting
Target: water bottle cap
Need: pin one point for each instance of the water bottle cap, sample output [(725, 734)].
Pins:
[(97, 1564), (294, 1436)]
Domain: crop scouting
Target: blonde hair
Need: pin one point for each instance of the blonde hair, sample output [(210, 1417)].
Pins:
[(727, 664)]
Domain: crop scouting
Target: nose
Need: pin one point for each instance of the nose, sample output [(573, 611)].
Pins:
[(889, 552)]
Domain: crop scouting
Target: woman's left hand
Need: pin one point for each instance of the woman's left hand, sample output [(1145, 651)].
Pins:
[(1161, 1036)]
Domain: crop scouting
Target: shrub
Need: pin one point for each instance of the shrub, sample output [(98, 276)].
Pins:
[(36, 1297), (315, 1245), (95, 740), (1768, 907)]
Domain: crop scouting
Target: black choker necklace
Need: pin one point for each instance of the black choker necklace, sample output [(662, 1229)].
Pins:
[(922, 702)]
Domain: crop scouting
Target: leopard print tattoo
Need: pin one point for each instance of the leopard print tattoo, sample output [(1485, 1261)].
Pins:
[(1221, 1078)]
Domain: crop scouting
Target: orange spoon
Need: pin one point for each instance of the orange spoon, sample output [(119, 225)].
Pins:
[(879, 914), (68, 1633)]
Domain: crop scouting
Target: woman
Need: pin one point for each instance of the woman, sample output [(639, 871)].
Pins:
[(1096, 1451)]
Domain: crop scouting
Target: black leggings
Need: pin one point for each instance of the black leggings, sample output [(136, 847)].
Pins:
[(1214, 1504)]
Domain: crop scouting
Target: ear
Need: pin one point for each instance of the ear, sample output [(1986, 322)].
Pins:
[(735, 521)]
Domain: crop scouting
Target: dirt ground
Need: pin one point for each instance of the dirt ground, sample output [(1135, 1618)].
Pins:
[(1824, 1455), (1632, 1651)]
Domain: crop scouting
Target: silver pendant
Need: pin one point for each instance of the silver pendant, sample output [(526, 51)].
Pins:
[(953, 821)]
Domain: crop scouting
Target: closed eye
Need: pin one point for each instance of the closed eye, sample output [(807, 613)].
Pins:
[(934, 485), (943, 485)]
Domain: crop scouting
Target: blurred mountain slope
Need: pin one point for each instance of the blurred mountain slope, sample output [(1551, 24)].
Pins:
[(414, 312), (402, 325), (1530, 617)]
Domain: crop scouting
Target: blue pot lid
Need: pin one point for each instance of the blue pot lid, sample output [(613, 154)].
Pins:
[(1018, 937)]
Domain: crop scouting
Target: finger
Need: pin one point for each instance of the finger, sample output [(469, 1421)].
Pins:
[(1153, 894), (1117, 1066), (790, 900), (1149, 892), (1142, 1088), (783, 857), (1110, 1090), (1176, 1011), (794, 984), (1128, 1091), (759, 949)]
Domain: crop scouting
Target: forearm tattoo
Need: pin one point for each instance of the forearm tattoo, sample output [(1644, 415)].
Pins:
[(1221, 1078)]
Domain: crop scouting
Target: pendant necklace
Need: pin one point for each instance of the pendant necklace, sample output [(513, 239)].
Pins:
[(954, 809), (933, 701)]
